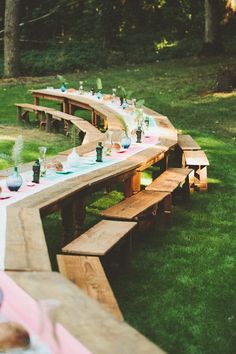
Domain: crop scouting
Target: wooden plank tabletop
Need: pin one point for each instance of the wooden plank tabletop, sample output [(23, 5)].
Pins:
[(94, 327)]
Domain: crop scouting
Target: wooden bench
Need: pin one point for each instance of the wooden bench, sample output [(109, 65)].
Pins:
[(185, 143), (198, 161), (23, 110), (172, 179), (90, 132), (54, 117), (82, 265), (136, 206)]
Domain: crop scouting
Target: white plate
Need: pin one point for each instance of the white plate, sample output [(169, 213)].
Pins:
[(64, 172)]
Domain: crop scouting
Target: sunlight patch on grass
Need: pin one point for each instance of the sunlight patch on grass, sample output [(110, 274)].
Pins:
[(214, 181)]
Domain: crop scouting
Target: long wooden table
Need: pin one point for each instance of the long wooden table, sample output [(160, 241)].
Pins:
[(27, 260)]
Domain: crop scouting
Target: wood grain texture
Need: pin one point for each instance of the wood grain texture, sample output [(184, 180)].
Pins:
[(26, 247), (99, 239), (169, 180), (88, 274), (32, 108), (91, 133), (196, 158), (130, 208), (95, 328), (186, 142)]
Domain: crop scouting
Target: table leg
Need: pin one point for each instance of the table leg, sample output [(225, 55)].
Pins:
[(80, 213), (67, 216)]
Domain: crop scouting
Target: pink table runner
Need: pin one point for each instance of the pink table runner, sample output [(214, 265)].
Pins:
[(20, 307)]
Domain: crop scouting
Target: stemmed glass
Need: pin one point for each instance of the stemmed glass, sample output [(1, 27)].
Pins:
[(42, 160), (81, 87)]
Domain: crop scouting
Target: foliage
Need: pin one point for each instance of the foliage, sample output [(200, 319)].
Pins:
[(179, 276), (99, 83), (226, 79), (62, 80), (16, 154)]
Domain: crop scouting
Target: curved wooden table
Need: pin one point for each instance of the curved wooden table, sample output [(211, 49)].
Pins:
[(26, 257)]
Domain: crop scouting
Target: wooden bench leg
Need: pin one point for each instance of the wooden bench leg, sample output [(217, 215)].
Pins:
[(186, 190), (18, 114), (49, 123), (43, 121), (203, 179), (136, 182), (191, 181), (88, 274)]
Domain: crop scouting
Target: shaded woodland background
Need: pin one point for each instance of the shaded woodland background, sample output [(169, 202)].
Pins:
[(66, 35)]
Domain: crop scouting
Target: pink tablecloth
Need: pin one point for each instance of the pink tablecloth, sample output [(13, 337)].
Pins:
[(20, 307)]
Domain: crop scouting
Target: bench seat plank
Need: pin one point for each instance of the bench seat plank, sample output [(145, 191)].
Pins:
[(186, 142), (33, 108), (196, 158), (131, 207), (99, 239), (87, 273), (92, 133), (169, 180), (63, 116)]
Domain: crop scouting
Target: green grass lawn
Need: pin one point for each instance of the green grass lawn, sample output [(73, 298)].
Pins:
[(180, 291)]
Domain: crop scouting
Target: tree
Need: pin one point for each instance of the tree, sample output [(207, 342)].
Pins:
[(212, 38), (11, 38)]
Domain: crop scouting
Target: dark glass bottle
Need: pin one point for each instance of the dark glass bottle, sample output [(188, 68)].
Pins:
[(36, 171), (139, 134), (93, 91), (99, 149)]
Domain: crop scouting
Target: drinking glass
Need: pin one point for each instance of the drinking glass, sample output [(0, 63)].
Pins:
[(42, 160)]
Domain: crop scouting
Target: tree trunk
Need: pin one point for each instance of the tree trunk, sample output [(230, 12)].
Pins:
[(212, 41), (11, 38)]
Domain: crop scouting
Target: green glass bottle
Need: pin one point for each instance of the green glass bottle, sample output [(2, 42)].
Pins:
[(99, 150), (36, 171)]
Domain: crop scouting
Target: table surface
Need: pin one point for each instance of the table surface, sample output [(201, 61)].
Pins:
[(26, 255)]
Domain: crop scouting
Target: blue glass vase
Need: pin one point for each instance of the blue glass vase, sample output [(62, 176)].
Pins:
[(63, 88), (14, 181), (125, 141)]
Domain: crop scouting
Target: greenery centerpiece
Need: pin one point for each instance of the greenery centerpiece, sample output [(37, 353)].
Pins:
[(124, 95), (64, 83), (99, 88), (14, 181)]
